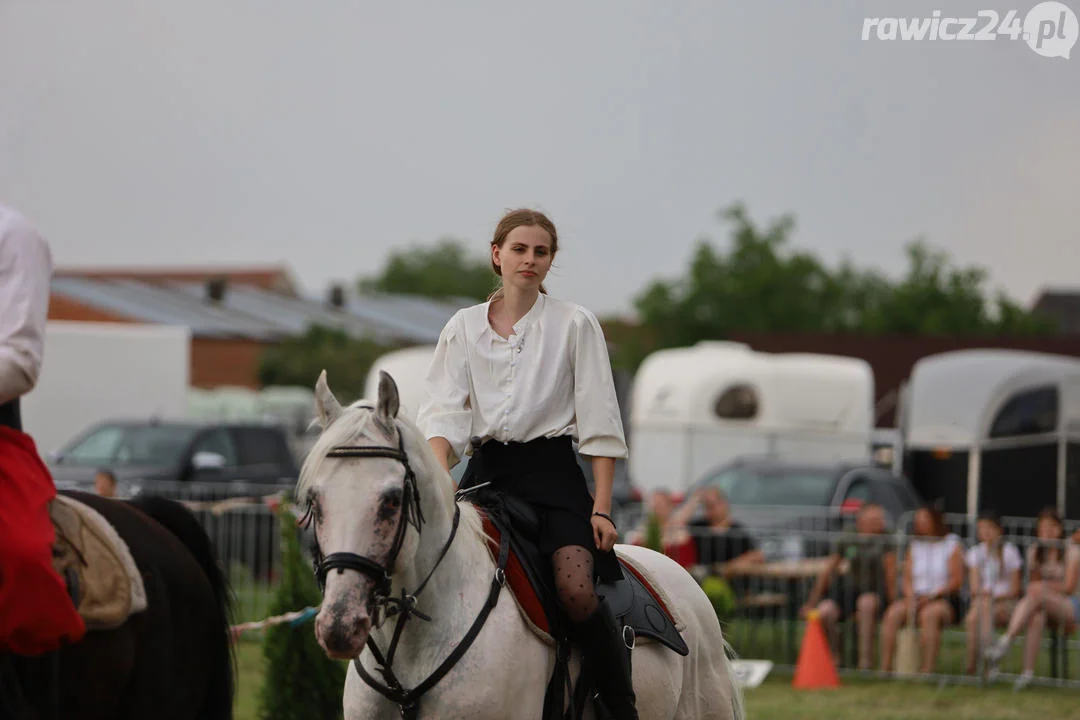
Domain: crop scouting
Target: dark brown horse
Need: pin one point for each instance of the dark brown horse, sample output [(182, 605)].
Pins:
[(171, 661)]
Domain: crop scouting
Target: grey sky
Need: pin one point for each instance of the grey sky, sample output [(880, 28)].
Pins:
[(324, 134)]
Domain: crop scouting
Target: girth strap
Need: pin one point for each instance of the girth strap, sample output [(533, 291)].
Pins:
[(409, 700)]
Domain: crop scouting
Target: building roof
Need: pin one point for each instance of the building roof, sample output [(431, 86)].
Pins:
[(1061, 306), (248, 311), (413, 315), (294, 314), (271, 277)]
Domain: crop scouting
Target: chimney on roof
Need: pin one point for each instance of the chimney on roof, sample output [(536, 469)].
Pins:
[(336, 297), (215, 289)]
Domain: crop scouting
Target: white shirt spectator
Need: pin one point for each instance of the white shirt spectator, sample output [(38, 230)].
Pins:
[(25, 275), (930, 563), (992, 576), (551, 377)]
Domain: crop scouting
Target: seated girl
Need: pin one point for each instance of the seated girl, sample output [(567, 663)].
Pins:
[(932, 577), (1051, 598), (994, 569)]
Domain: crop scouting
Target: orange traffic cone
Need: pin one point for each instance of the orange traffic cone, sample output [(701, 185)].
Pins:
[(815, 668)]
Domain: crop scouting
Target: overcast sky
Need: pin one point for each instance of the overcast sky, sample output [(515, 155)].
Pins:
[(324, 134)]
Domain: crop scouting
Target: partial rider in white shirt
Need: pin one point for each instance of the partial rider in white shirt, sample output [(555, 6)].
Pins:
[(36, 613)]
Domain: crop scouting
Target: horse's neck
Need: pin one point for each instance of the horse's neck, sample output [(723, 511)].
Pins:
[(452, 598)]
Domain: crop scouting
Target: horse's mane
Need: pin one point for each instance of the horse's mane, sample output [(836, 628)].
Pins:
[(352, 424)]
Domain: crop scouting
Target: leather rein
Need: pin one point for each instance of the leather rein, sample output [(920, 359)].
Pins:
[(384, 605)]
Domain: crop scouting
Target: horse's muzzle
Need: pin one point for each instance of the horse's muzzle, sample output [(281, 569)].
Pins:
[(342, 630)]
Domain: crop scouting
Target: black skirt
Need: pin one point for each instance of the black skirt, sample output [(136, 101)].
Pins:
[(545, 474)]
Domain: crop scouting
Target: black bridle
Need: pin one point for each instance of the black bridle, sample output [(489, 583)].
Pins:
[(411, 514), (404, 607)]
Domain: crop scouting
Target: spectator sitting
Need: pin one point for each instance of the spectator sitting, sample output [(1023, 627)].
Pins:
[(717, 537), (872, 582), (994, 572), (932, 578), (105, 483), (675, 542), (660, 507), (1051, 596)]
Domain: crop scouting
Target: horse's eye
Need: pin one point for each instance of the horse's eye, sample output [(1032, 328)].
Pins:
[(392, 498)]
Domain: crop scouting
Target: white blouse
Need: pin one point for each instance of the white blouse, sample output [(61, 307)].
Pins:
[(930, 563), (551, 377), (25, 275), (992, 575)]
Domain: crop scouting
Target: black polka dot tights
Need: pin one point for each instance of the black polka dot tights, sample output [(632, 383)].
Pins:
[(573, 566)]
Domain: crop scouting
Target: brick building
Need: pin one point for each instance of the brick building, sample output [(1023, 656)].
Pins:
[(235, 314)]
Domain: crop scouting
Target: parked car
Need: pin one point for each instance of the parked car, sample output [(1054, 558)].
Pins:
[(792, 507), (197, 462), (187, 460)]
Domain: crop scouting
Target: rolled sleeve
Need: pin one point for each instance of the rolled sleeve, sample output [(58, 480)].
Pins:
[(25, 274), (596, 405), (445, 412)]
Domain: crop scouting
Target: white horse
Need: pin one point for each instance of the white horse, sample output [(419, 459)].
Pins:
[(370, 481)]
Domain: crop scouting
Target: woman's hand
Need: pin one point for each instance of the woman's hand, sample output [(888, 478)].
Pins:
[(604, 533)]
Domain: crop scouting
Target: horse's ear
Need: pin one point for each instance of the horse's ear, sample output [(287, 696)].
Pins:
[(389, 402), (326, 404)]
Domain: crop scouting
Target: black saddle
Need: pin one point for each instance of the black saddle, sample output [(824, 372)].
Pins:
[(632, 604)]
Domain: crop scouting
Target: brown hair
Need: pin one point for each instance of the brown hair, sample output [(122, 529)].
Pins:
[(522, 217), (1041, 549), (991, 516), (938, 528)]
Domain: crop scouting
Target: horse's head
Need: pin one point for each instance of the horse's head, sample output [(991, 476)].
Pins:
[(362, 499)]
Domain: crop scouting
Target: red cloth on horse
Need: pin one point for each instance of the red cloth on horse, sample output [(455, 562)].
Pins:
[(36, 612)]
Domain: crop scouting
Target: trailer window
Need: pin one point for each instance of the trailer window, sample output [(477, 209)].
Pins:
[(738, 402), (1030, 413)]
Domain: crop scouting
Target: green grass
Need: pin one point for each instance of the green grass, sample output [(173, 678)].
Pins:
[(249, 661), (772, 640), (857, 699), (252, 598), (899, 700)]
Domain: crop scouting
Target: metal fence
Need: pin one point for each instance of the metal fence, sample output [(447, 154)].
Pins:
[(763, 606), (245, 533)]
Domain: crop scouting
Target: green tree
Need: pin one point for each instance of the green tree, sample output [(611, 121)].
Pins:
[(300, 682), (763, 285), (445, 270), (935, 298), (299, 360)]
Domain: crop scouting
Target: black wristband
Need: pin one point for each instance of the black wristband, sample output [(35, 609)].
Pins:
[(608, 518)]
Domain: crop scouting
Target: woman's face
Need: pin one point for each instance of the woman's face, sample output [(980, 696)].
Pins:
[(525, 257), (1048, 529), (923, 524), (662, 505), (987, 531)]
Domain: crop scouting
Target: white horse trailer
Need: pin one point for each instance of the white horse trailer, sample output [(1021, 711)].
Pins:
[(409, 368), (991, 428), (695, 408)]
